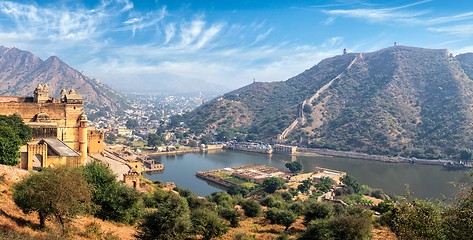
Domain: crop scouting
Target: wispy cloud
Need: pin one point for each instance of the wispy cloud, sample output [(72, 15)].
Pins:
[(376, 15), (149, 19), (463, 30), (453, 18)]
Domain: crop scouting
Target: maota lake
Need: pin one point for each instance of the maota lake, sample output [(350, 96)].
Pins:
[(424, 181)]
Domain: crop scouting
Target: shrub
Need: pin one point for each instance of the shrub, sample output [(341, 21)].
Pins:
[(252, 208)]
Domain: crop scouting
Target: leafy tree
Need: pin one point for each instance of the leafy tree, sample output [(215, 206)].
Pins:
[(281, 217), (355, 223), (112, 200), (270, 185), (131, 123), (170, 221), (231, 214), (234, 190), (271, 202), (317, 210), (222, 199), (417, 219), (325, 184), (13, 134), (252, 208), (294, 166), (20, 129), (225, 135), (351, 182), (304, 187), (9, 146), (207, 223), (61, 192), (458, 219), (154, 140)]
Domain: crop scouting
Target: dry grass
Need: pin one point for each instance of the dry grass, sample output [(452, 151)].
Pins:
[(14, 224)]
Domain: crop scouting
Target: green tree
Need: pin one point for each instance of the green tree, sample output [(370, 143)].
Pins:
[(294, 166), (13, 134), (251, 207), (270, 185), (271, 202), (225, 135), (304, 187), (231, 214), (20, 129), (207, 223), (112, 200), (61, 192), (317, 210), (417, 219), (9, 146), (354, 224), (458, 219), (281, 217), (171, 220), (351, 182), (154, 140), (131, 123)]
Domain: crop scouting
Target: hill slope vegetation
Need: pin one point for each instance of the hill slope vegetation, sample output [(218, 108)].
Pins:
[(399, 100)]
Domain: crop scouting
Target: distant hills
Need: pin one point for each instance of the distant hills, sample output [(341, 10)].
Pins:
[(170, 84), (398, 100), (21, 71)]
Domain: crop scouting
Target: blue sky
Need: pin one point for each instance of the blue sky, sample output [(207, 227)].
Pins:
[(222, 41)]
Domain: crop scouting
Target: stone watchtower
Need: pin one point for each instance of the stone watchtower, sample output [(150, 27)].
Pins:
[(83, 137), (41, 94)]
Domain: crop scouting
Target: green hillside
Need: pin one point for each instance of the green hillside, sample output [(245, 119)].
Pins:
[(399, 100)]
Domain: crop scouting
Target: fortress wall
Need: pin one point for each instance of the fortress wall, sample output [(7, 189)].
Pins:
[(64, 115)]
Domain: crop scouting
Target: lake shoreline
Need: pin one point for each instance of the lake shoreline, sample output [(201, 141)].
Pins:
[(311, 152)]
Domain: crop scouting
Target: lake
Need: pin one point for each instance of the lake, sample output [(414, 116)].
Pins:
[(424, 181)]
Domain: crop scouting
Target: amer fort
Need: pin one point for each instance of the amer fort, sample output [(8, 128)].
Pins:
[(59, 127)]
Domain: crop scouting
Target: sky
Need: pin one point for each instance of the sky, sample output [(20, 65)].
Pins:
[(226, 42)]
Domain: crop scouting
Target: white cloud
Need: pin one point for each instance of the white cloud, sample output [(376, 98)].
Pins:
[(170, 32), (190, 31), (464, 29), (453, 18)]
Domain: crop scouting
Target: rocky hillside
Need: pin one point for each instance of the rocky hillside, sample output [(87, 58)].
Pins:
[(398, 100), (21, 71)]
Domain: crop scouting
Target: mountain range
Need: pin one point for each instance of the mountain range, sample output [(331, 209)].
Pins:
[(395, 101), (21, 71)]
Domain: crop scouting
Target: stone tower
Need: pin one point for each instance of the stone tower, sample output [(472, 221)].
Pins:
[(41, 93), (83, 138)]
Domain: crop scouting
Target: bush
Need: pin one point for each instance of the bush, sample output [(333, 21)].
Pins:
[(270, 185), (230, 214), (355, 223), (112, 200), (171, 220), (271, 202), (281, 217), (317, 210), (252, 208), (207, 223), (417, 220)]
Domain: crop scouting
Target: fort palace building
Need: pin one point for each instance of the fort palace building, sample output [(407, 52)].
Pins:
[(60, 133)]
